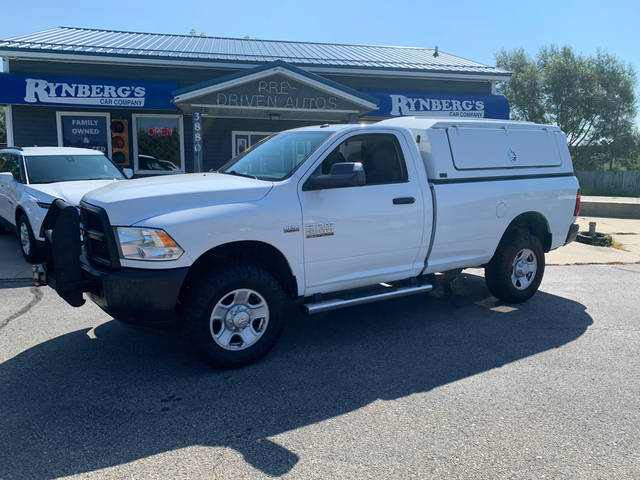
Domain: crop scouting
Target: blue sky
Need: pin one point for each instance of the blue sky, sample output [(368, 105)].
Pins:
[(470, 29)]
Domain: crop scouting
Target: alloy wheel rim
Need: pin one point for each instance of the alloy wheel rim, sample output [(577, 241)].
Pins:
[(524, 268), (239, 319), (25, 241)]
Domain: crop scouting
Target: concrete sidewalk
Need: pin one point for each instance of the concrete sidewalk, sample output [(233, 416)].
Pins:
[(625, 232), (612, 207)]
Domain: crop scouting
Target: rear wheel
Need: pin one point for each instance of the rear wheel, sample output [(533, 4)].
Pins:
[(28, 244), (515, 272), (235, 315)]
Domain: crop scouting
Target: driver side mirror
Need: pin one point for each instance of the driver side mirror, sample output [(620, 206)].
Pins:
[(342, 174), (127, 172), (6, 176)]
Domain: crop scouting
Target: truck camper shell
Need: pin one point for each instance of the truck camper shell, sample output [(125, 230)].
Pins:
[(467, 150)]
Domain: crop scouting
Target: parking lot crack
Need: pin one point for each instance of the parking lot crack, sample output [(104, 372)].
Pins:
[(37, 296), (627, 269)]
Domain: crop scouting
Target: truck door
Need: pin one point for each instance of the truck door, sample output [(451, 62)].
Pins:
[(356, 236)]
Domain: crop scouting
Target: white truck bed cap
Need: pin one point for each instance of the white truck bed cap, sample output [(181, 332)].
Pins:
[(424, 123), (463, 149)]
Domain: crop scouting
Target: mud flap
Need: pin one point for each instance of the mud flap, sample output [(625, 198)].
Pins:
[(61, 230)]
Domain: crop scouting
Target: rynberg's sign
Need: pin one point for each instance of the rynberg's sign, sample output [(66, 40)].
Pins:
[(43, 91), (402, 105), (393, 103)]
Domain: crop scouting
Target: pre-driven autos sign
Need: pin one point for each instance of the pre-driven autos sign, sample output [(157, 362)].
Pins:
[(278, 92), (45, 90)]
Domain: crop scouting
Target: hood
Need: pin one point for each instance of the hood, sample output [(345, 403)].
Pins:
[(132, 201), (70, 192)]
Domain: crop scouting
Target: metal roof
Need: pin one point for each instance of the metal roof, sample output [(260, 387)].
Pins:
[(70, 40)]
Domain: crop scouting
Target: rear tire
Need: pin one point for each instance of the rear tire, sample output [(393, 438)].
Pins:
[(234, 315), (516, 269), (28, 244)]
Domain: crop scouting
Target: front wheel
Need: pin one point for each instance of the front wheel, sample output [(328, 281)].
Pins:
[(28, 244), (235, 315), (515, 271)]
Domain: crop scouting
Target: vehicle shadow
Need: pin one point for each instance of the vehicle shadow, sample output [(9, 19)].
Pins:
[(93, 399)]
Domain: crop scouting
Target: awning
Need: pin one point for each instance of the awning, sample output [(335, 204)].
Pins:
[(34, 89)]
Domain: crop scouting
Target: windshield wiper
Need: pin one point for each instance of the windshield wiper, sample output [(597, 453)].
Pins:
[(100, 178), (74, 180), (238, 174)]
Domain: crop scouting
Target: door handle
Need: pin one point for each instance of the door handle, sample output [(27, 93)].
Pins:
[(403, 200)]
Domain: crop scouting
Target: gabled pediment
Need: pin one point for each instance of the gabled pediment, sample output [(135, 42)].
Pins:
[(275, 88)]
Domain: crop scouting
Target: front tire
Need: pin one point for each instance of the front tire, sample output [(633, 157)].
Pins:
[(28, 243), (235, 315), (516, 270)]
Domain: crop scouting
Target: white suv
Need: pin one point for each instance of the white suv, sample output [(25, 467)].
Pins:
[(33, 177)]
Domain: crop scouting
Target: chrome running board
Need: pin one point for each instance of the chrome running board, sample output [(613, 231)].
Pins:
[(335, 303)]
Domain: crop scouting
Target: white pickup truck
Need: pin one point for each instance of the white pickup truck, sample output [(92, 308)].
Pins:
[(329, 216)]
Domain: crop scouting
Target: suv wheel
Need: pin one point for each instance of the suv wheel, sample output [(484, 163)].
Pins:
[(515, 271), (235, 315), (28, 243)]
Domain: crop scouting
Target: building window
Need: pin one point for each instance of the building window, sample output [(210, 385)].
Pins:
[(240, 141), (158, 144), (84, 130)]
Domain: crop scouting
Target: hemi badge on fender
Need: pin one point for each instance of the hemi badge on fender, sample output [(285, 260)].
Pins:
[(318, 230), (290, 228)]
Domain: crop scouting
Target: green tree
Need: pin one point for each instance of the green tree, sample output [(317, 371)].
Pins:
[(3, 127), (591, 98)]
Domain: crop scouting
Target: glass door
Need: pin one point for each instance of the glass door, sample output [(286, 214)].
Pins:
[(243, 140)]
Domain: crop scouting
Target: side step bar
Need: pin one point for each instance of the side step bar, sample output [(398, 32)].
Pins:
[(335, 303)]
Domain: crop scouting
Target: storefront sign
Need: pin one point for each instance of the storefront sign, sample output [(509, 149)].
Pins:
[(275, 92), (45, 90), (396, 104), (85, 132)]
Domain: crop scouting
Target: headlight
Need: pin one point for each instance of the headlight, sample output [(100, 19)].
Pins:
[(147, 244)]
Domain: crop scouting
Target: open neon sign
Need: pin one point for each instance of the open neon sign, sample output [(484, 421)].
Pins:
[(160, 132)]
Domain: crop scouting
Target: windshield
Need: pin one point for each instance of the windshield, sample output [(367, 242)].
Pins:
[(276, 157), (66, 168)]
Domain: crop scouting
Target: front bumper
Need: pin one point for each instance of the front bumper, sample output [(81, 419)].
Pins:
[(573, 233), (135, 295), (131, 294)]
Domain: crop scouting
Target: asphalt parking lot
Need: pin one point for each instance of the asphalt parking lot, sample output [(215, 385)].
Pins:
[(445, 385)]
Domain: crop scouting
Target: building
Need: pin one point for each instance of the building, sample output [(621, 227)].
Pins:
[(178, 103)]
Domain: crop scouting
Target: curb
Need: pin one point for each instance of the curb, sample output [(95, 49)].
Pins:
[(590, 263), (609, 209), (16, 282)]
